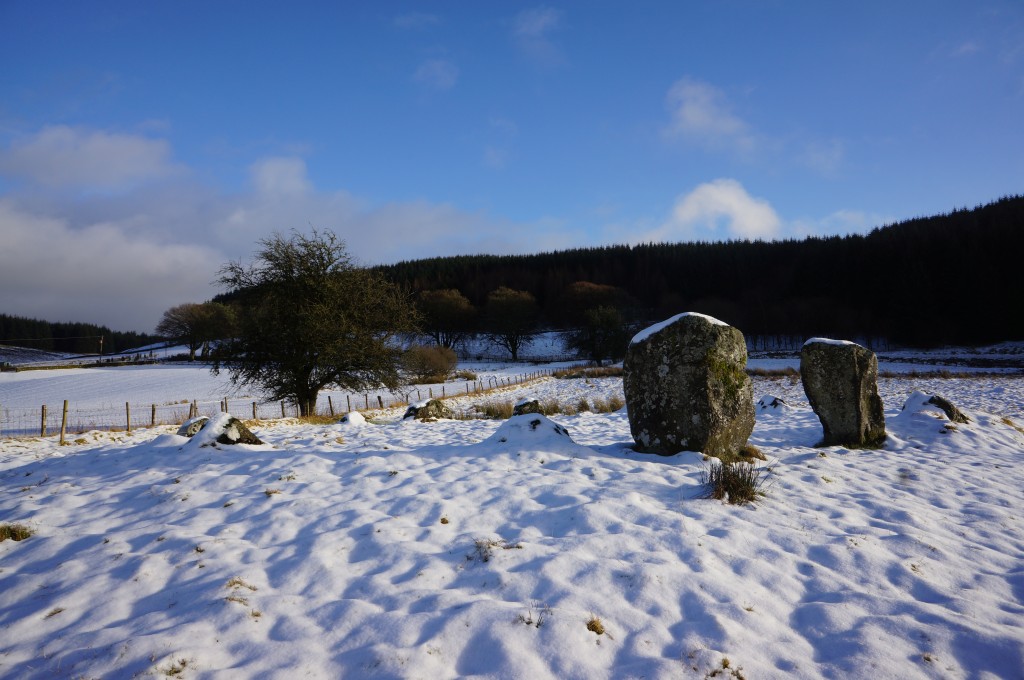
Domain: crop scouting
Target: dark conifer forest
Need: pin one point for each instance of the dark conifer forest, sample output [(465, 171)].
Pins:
[(71, 338), (948, 279)]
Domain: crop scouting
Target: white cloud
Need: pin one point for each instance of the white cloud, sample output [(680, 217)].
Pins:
[(99, 274), (67, 157), (966, 49), (722, 205), (417, 21), (438, 74), (700, 113), (531, 32), (536, 23), (824, 156), (279, 177)]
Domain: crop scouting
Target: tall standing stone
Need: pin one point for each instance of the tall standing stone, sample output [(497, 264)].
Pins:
[(841, 382), (687, 388)]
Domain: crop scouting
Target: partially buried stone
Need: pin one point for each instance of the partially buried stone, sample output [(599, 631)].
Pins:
[(840, 380), (428, 410), (687, 388), (527, 406)]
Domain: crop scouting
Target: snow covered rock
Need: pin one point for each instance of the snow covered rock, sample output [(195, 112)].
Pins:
[(191, 426), (687, 388), (922, 401), (840, 379), (772, 404), (222, 429), (530, 429), (527, 406), (353, 418), (432, 409)]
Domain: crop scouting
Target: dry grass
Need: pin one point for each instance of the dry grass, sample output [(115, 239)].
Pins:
[(577, 372), (595, 625), (735, 483), (1008, 421), (15, 532)]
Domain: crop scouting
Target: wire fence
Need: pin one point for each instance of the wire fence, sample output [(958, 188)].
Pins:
[(64, 418)]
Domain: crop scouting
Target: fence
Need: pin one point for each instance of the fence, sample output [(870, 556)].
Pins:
[(65, 419)]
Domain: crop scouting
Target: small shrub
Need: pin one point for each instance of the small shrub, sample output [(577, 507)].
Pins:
[(736, 483), (15, 532), (464, 374), (423, 365)]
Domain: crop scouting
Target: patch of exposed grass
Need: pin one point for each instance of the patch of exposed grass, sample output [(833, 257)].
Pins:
[(484, 548), (271, 492), (1008, 421), (595, 625), (15, 532), (577, 372), (53, 612), (495, 410), (239, 582), (464, 374), (735, 483), (543, 612)]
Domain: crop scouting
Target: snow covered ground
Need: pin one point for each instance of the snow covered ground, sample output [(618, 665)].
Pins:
[(474, 548)]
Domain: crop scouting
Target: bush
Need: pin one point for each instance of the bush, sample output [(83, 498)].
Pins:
[(736, 483), (424, 365)]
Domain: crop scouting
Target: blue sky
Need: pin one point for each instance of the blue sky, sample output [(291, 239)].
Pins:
[(145, 144)]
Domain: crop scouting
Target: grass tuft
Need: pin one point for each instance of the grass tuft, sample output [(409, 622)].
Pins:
[(735, 483), (15, 532), (595, 625)]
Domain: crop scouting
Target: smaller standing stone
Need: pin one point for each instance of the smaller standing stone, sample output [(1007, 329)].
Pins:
[(840, 380)]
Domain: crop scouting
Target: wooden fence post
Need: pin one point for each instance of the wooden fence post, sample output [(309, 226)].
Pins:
[(152, 416), (254, 410), (330, 405), (63, 422), (282, 408), (380, 401), (367, 396), (42, 427), (348, 398), (128, 417)]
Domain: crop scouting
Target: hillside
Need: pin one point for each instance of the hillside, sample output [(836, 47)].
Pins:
[(946, 279)]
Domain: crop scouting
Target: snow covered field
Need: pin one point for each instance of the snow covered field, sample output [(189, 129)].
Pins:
[(436, 550)]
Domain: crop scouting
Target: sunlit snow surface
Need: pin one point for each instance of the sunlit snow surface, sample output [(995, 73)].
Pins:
[(403, 549)]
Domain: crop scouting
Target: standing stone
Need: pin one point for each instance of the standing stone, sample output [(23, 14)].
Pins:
[(687, 388), (841, 382)]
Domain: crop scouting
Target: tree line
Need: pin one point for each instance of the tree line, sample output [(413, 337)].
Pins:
[(68, 337), (946, 279)]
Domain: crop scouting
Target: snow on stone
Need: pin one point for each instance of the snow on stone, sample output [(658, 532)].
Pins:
[(828, 341), (651, 330)]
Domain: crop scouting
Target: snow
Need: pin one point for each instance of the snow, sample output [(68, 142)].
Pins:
[(406, 549), (827, 341), (651, 330)]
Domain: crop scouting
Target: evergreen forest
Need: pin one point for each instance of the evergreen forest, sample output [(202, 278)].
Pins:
[(948, 279), (70, 338)]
